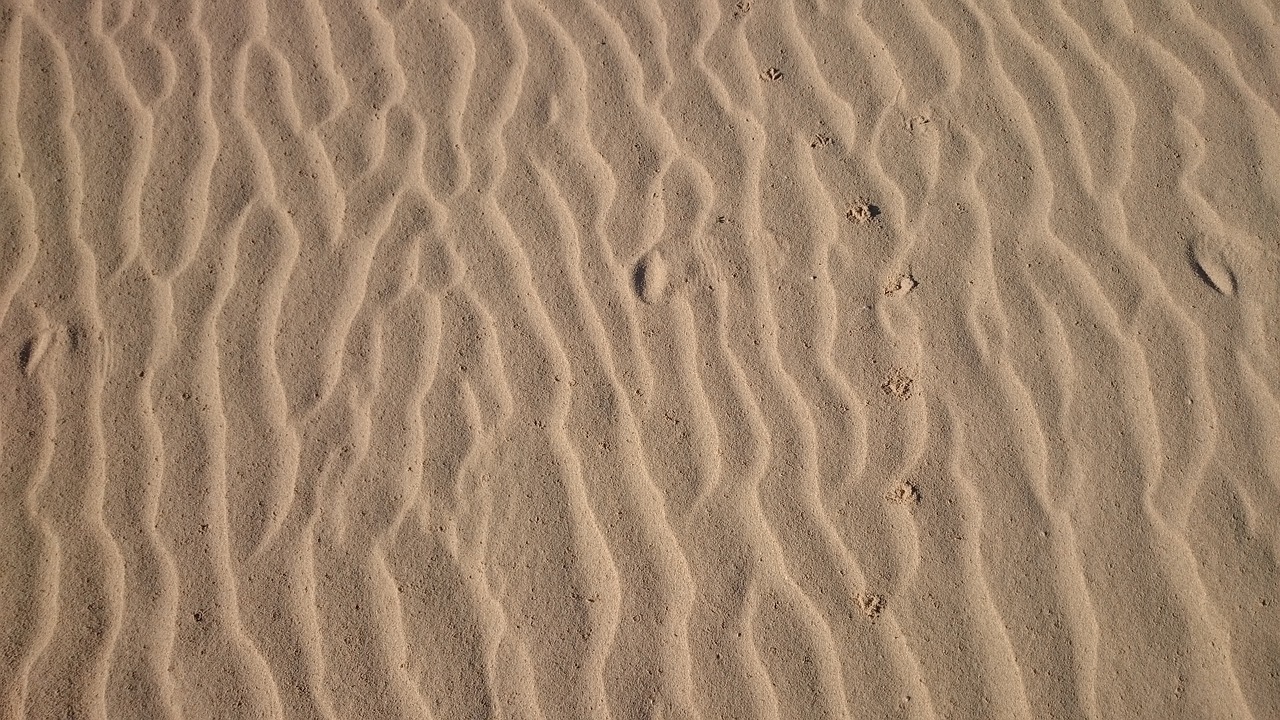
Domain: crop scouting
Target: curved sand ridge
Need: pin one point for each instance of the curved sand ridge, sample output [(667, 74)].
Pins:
[(526, 359)]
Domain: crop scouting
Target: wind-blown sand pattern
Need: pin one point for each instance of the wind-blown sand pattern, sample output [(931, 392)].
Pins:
[(639, 359)]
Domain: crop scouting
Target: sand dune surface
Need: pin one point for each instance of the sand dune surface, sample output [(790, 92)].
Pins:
[(651, 359)]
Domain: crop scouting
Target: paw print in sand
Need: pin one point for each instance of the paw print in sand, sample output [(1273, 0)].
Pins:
[(901, 285), (897, 383), (904, 493), (862, 213), (872, 604)]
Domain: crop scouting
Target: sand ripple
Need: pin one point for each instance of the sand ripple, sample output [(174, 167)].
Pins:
[(681, 359)]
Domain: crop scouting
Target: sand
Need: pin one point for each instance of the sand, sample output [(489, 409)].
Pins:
[(640, 359)]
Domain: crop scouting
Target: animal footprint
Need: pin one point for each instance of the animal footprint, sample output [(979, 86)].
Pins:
[(862, 213), (872, 604), (904, 494), (901, 286), (897, 383)]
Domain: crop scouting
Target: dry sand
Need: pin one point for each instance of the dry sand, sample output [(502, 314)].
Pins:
[(637, 359)]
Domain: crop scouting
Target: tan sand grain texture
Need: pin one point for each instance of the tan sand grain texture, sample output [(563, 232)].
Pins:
[(652, 359)]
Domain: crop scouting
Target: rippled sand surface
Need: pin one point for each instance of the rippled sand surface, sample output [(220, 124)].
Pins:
[(646, 359)]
